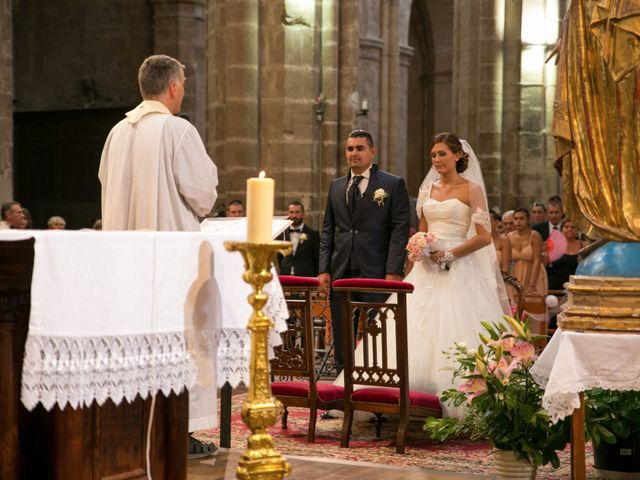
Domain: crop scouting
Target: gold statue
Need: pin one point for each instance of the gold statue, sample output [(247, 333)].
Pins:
[(597, 116)]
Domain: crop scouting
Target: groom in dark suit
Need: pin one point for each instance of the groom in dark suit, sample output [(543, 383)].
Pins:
[(303, 262), (365, 229)]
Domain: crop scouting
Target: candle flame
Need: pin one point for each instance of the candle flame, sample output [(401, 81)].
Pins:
[(262, 174)]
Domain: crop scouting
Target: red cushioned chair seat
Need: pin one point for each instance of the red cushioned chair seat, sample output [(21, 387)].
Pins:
[(293, 281), (327, 392), (392, 396), (372, 283)]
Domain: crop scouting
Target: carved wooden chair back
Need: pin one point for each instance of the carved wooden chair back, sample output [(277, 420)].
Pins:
[(294, 364), (379, 381)]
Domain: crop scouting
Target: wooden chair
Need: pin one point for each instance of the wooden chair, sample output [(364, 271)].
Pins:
[(295, 358), (385, 387), (529, 304), (517, 292)]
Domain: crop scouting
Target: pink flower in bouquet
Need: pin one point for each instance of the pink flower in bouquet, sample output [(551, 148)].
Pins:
[(524, 352), (473, 387), (419, 245)]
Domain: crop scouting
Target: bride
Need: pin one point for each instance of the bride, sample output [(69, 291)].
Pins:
[(459, 284)]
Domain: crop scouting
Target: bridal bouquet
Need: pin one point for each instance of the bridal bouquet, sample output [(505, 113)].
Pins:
[(421, 245), (503, 401)]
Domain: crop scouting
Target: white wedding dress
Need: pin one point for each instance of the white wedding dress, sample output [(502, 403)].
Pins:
[(446, 306)]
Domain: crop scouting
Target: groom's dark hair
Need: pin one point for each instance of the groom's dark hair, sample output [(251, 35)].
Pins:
[(362, 134)]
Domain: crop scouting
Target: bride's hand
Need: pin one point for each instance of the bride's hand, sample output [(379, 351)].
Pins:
[(436, 256)]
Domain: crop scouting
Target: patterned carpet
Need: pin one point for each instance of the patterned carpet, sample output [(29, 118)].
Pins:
[(452, 456)]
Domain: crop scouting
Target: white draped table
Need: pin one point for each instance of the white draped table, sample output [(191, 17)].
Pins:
[(574, 362), (120, 314)]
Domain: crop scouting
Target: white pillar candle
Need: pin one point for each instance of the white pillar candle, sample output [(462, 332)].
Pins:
[(259, 208)]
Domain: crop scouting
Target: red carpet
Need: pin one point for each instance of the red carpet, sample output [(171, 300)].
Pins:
[(452, 456)]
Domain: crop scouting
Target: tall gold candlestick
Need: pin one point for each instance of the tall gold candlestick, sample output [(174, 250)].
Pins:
[(261, 409)]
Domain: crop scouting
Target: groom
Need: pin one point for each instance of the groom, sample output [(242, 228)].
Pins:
[(365, 229)]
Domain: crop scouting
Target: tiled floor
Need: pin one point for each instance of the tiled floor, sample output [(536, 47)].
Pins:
[(223, 466)]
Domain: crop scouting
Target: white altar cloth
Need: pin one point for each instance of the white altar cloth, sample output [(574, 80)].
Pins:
[(573, 362), (120, 314)]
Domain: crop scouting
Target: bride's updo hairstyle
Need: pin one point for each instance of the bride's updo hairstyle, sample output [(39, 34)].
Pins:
[(453, 142)]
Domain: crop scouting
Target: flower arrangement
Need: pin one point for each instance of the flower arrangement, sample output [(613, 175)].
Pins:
[(503, 401), (379, 196), (303, 236), (421, 244)]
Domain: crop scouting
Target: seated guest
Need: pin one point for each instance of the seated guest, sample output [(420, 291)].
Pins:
[(235, 209), (56, 223), (560, 270), (12, 216), (538, 213), (303, 262), (507, 222)]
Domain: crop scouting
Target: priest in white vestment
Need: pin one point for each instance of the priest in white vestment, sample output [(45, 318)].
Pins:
[(156, 175), (155, 172)]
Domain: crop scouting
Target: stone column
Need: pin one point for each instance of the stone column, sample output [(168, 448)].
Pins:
[(349, 73), (478, 84), (400, 166), (489, 121), (6, 101), (466, 67), (180, 31), (330, 142), (511, 105), (232, 93)]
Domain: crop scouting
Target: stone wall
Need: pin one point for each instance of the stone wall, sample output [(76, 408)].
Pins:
[(278, 84), (71, 54), (276, 95), (6, 101)]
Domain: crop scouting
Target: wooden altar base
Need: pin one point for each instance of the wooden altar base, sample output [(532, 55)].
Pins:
[(107, 442)]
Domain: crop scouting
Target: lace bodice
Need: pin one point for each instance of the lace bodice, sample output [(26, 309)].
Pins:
[(449, 219)]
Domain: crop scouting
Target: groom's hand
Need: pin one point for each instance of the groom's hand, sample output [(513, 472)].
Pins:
[(325, 283), (393, 276)]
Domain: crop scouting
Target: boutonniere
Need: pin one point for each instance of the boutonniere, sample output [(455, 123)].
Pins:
[(379, 196), (302, 237)]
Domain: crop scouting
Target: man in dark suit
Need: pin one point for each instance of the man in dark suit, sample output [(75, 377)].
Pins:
[(554, 217), (365, 229), (303, 262)]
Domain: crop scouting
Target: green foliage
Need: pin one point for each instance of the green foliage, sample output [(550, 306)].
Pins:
[(612, 415), (503, 402)]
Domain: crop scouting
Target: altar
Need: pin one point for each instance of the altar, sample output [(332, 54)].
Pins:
[(96, 324), (574, 362)]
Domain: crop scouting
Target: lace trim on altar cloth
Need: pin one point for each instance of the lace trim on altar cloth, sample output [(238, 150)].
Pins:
[(482, 217), (561, 402), (80, 370), (234, 355)]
